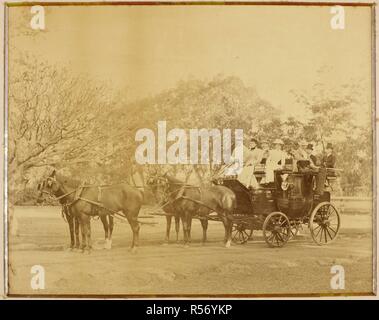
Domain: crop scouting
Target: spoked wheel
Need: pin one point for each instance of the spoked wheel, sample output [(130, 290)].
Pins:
[(276, 229), (324, 223), (240, 234)]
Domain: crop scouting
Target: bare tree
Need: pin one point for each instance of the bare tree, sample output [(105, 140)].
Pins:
[(54, 117)]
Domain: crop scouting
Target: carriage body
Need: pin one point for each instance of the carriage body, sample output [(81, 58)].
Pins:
[(250, 202), (295, 193), (289, 203)]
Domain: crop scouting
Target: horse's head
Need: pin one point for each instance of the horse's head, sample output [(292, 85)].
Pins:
[(49, 186), (158, 185)]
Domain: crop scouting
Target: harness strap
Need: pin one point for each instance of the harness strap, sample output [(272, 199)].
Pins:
[(198, 202), (64, 195)]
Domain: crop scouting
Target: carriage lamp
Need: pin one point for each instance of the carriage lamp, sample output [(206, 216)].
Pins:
[(285, 185)]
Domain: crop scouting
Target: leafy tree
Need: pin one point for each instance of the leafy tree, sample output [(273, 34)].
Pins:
[(331, 119)]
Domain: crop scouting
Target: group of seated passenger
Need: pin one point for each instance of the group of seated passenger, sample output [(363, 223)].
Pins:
[(297, 157)]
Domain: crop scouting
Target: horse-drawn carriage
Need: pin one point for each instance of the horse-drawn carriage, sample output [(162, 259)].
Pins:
[(281, 209)]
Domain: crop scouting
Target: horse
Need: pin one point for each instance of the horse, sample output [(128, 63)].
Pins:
[(166, 206), (73, 222), (82, 202), (189, 201)]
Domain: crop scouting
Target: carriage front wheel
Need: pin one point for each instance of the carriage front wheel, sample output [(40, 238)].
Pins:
[(240, 233), (276, 229), (324, 223)]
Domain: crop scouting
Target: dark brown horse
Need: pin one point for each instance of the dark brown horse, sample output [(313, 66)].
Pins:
[(190, 201), (81, 202), (72, 221)]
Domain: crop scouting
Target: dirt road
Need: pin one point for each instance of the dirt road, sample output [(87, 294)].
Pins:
[(301, 267)]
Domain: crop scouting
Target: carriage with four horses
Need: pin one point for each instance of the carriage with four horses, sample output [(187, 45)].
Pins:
[(279, 209)]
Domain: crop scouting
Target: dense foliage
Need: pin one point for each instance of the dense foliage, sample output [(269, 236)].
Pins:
[(88, 130)]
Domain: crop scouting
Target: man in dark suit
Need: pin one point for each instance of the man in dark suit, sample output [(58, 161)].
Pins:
[(311, 157), (329, 159), (320, 172)]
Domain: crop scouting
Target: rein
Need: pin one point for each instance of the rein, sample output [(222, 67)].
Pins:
[(65, 195)]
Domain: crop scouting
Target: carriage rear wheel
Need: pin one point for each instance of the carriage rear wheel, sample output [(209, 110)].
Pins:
[(324, 223), (240, 233), (276, 229)]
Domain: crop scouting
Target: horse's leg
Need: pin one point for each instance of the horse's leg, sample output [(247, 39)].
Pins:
[(229, 226), (89, 242), (104, 220), (132, 219), (70, 221), (110, 230), (76, 227), (185, 229), (168, 227), (204, 224), (228, 229), (83, 228), (86, 232), (177, 227), (189, 217)]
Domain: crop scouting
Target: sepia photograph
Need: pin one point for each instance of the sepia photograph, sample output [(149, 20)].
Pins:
[(189, 149)]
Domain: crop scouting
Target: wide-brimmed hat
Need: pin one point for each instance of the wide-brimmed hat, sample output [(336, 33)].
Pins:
[(278, 141), (309, 146), (329, 146), (303, 143)]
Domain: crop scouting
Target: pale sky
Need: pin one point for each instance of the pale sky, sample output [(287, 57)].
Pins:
[(144, 50)]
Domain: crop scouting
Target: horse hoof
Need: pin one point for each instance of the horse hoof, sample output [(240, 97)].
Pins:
[(108, 244), (227, 245), (186, 245)]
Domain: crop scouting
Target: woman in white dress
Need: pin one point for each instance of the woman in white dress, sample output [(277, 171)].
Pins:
[(275, 161), (251, 157)]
